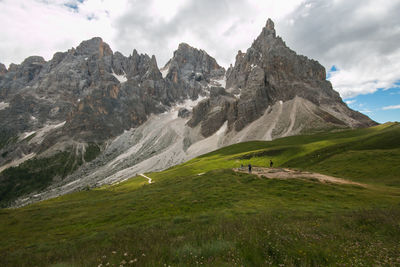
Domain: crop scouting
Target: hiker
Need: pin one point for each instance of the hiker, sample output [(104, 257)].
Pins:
[(249, 168), (241, 166), (270, 163)]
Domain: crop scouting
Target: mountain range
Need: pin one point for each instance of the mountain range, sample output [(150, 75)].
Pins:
[(91, 116)]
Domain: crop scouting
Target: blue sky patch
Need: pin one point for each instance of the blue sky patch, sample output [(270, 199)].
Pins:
[(72, 6), (381, 106), (332, 69), (90, 17)]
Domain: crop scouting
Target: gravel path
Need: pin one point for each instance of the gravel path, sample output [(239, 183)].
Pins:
[(148, 178), (284, 173)]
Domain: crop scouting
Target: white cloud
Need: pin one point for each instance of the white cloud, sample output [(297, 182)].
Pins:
[(366, 77), (31, 27), (359, 37), (219, 27), (166, 10), (150, 26), (349, 102), (391, 107)]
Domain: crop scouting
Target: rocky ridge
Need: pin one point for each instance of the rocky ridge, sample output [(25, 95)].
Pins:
[(268, 73)]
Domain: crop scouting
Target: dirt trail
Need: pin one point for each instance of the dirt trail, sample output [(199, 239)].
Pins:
[(284, 173), (148, 178)]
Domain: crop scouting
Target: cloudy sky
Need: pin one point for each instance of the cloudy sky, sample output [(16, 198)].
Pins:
[(358, 41)]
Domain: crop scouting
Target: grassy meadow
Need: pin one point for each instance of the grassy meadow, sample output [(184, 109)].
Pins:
[(201, 213)]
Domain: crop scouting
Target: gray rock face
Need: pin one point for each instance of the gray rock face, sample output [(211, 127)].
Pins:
[(189, 64), (183, 113), (3, 69), (190, 71), (97, 92), (94, 46), (211, 113)]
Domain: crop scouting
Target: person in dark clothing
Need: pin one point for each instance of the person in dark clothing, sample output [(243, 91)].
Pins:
[(270, 163), (249, 168)]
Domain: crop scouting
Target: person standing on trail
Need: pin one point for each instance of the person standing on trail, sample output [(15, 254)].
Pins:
[(249, 168), (271, 163)]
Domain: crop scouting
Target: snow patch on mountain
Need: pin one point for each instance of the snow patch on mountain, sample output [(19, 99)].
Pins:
[(120, 78), (164, 71), (219, 82), (189, 104), (4, 105), (26, 135)]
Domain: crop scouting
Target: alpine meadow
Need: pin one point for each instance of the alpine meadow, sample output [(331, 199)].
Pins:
[(203, 213)]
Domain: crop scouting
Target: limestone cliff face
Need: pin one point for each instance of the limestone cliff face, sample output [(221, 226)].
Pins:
[(190, 71), (269, 67), (89, 94), (3, 69), (97, 92), (270, 72), (190, 64)]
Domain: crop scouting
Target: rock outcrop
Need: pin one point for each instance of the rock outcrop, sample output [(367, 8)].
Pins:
[(190, 71), (3, 69), (270, 72)]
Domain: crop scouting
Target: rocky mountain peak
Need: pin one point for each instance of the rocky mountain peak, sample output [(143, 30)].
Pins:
[(185, 46), (270, 24), (153, 72), (191, 63), (137, 66), (186, 54), (3, 69), (94, 46), (154, 61), (270, 73), (19, 75), (270, 60), (33, 60), (269, 28)]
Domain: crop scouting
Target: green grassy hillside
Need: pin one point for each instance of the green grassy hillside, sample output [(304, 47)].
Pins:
[(203, 213)]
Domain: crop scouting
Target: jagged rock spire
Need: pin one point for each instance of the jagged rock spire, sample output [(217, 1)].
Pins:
[(270, 24), (270, 27), (188, 62), (96, 45), (3, 69)]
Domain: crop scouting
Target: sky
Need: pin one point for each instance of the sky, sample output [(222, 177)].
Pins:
[(357, 41)]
